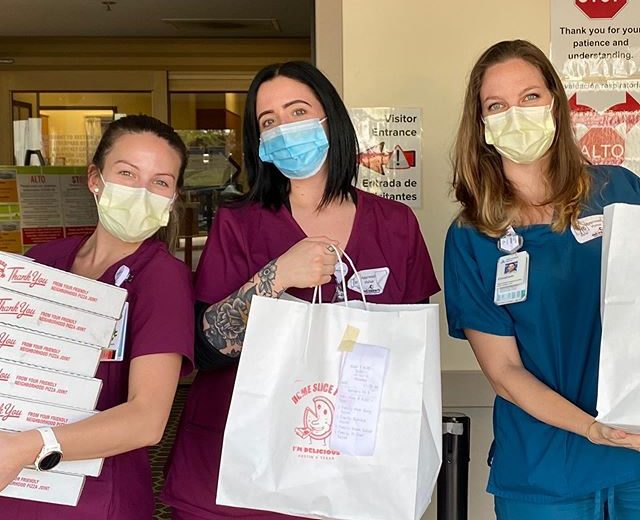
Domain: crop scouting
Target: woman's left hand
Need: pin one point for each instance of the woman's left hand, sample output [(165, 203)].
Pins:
[(14, 455), (602, 434)]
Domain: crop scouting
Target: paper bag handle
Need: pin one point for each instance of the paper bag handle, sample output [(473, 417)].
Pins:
[(317, 292)]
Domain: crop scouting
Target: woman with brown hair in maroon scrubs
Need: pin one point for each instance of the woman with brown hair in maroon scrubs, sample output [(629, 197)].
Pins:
[(135, 177)]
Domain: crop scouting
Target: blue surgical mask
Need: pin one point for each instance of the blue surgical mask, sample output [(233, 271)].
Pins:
[(297, 149)]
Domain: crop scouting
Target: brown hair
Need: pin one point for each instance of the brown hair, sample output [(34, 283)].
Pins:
[(489, 201), (138, 124)]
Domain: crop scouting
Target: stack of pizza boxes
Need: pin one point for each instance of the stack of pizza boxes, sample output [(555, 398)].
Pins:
[(54, 326)]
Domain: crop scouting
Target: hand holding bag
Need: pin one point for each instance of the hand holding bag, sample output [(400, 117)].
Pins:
[(279, 448)]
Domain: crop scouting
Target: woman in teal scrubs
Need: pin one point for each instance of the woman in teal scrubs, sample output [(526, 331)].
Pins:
[(524, 187)]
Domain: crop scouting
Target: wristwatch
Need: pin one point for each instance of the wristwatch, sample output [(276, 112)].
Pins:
[(51, 453)]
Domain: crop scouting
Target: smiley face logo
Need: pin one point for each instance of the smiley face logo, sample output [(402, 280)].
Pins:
[(317, 420)]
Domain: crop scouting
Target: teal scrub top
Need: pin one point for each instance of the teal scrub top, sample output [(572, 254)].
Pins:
[(557, 330)]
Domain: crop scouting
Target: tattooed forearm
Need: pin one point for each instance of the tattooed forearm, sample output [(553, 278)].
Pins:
[(225, 322), (267, 278)]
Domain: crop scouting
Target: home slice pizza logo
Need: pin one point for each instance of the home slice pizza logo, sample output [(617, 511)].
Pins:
[(317, 421), (315, 402)]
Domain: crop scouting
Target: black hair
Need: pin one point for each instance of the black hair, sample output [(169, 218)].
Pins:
[(140, 124), (266, 184)]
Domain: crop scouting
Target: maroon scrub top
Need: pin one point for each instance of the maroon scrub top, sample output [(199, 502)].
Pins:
[(242, 241), (160, 321)]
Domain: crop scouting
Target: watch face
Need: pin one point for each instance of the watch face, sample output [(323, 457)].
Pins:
[(50, 461)]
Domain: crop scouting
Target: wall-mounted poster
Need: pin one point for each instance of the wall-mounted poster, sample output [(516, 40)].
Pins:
[(53, 202), (607, 126), (390, 162), (595, 41), (10, 240), (595, 47)]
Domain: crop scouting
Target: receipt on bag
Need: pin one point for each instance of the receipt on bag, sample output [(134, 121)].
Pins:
[(358, 401)]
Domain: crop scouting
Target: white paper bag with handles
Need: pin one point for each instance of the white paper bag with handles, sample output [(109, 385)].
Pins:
[(618, 382), (279, 448)]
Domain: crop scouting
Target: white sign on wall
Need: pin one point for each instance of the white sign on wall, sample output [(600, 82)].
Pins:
[(593, 41), (390, 162), (595, 47)]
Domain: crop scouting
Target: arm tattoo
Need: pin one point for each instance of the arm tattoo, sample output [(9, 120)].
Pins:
[(227, 320), (267, 276)]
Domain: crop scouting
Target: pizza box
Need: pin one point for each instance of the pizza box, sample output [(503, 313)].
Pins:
[(34, 279), (49, 318), (46, 486), (39, 384), (49, 352), (87, 467), (20, 414)]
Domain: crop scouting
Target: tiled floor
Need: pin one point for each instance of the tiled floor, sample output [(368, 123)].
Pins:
[(158, 454)]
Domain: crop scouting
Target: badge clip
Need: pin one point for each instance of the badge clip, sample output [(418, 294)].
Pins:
[(123, 274), (511, 242)]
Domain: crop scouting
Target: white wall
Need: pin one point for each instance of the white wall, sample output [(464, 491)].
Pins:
[(418, 53)]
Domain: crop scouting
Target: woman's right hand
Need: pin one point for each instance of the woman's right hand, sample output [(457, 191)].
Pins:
[(309, 263)]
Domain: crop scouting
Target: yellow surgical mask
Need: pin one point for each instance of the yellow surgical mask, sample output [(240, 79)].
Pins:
[(521, 134), (132, 214)]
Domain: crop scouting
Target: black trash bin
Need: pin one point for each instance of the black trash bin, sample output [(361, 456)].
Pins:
[(453, 480)]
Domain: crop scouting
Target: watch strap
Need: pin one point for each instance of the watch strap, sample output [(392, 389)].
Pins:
[(51, 453), (49, 439)]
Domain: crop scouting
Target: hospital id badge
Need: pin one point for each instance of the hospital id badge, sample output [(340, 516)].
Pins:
[(115, 350), (512, 279)]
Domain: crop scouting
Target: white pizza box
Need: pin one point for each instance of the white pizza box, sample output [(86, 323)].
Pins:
[(49, 386), (48, 283), (48, 318), (88, 467), (18, 257), (49, 352), (46, 486), (20, 414)]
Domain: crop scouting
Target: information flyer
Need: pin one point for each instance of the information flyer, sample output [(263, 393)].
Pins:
[(594, 41), (10, 239), (39, 204), (390, 162), (595, 47), (40, 207)]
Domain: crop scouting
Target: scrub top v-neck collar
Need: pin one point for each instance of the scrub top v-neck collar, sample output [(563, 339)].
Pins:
[(358, 200), (109, 274)]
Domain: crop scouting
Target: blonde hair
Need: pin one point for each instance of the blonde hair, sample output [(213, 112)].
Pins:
[(489, 200)]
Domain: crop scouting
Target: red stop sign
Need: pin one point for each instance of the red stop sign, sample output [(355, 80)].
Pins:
[(603, 145), (600, 8)]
